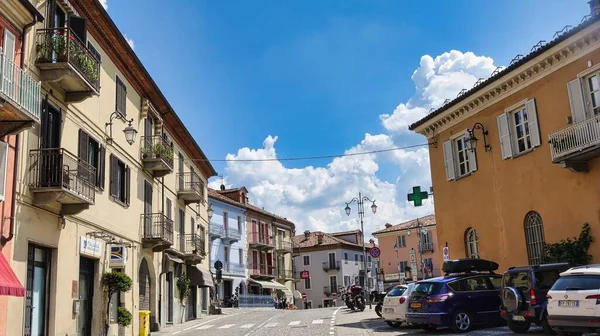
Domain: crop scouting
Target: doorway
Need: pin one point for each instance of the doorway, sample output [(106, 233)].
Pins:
[(37, 294), (86, 296), (169, 291), (227, 288), (192, 303), (144, 286)]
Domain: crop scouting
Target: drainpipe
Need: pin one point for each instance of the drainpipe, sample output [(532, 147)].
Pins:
[(11, 234)]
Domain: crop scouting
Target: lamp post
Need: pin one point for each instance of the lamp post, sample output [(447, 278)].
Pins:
[(129, 131), (471, 140), (361, 213), (421, 231), (397, 261)]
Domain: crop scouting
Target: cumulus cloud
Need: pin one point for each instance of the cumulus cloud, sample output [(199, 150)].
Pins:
[(314, 197), (104, 4), (130, 42)]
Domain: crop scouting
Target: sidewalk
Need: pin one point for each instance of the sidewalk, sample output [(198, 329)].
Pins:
[(203, 319)]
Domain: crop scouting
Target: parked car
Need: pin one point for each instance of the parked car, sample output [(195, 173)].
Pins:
[(524, 290), (395, 304), (459, 300), (574, 301)]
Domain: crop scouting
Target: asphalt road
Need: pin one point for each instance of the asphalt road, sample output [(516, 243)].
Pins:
[(312, 322)]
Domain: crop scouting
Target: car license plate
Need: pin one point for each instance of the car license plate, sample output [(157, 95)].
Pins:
[(518, 318), (415, 305), (568, 303), (389, 310)]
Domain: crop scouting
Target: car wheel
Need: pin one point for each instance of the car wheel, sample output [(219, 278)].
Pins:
[(519, 327), (393, 324), (461, 321), (546, 327)]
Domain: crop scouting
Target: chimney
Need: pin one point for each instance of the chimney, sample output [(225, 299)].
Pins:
[(594, 7), (388, 225), (320, 238), (222, 187), (306, 235)]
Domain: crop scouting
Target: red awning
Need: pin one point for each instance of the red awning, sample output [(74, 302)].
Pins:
[(9, 284)]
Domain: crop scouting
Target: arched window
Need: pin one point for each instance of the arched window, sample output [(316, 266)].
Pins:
[(472, 243), (534, 237)]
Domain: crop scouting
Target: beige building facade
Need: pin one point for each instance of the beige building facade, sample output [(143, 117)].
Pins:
[(88, 200)]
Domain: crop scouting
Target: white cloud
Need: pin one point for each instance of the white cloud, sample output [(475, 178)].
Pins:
[(104, 4), (130, 42), (314, 197)]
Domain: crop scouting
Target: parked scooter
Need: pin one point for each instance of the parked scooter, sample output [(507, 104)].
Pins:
[(358, 299), (347, 297)]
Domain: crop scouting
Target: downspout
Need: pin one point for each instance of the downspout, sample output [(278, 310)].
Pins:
[(11, 234)]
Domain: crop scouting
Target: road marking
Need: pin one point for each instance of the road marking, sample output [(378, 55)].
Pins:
[(317, 322), (331, 328), (209, 321), (206, 326), (294, 323), (175, 333), (226, 326), (270, 325), (267, 321), (247, 326), (336, 311), (331, 333)]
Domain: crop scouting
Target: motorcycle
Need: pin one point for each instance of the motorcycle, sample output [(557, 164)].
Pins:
[(378, 297), (347, 297), (358, 299)]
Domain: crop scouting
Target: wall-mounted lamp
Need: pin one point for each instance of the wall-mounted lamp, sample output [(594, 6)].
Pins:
[(129, 131), (210, 212), (471, 140)]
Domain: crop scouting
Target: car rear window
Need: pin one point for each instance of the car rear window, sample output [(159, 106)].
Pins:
[(426, 289), (545, 279), (577, 282), (517, 280), (398, 291)]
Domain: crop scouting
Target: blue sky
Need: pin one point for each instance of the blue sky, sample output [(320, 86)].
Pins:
[(318, 75)]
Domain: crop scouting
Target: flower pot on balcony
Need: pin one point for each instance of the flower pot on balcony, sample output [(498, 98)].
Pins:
[(63, 57)]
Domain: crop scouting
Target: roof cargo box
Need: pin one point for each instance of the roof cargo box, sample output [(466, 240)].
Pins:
[(469, 265)]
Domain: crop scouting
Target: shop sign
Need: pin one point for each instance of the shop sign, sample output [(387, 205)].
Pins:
[(90, 247), (118, 256)]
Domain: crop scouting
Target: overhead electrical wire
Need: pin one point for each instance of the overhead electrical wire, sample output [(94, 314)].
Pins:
[(314, 157)]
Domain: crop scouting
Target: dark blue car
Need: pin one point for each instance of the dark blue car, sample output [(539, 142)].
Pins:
[(464, 297)]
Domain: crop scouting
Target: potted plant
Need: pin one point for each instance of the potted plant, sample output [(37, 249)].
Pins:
[(183, 284), (114, 282), (124, 316)]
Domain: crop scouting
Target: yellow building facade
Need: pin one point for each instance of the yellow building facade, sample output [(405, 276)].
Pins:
[(535, 183), (89, 200)]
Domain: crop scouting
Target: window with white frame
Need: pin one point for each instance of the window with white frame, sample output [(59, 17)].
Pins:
[(518, 129), (306, 260), (593, 91), (307, 283), (472, 243), (459, 161), (346, 281), (401, 241)]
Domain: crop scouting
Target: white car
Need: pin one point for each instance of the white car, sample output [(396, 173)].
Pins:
[(574, 301), (395, 304)]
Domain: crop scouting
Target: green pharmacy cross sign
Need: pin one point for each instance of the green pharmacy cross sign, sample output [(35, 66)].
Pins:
[(417, 196)]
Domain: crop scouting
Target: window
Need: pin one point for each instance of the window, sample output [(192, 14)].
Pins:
[(518, 129), (346, 280), (356, 259), (369, 258), (496, 282), (307, 283), (397, 291), (241, 256), (472, 243), (94, 51), (534, 237), (169, 207), (370, 282), (403, 265), (401, 241), (306, 260), (470, 284), (593, 88), (120, 175), (93, 153), (226, 253), (345, 257), (459, 161), (225, 220), (583, 282), (239, 223), (121, 101)]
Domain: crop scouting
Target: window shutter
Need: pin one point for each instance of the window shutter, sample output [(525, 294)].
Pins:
[(534, 127), (430, 237), (504, 133), (127, 184), (3, 164), (84, 141), (169, 206), (472, 155), (101, 167), (78, 27), (449, 160), (9, 46), (113, 175), (123, 98), (576, 100)]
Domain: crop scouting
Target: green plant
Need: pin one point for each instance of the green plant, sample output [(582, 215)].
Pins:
[(123, 316), (572, 250), (113, 282), (183, 284), (162, 150)]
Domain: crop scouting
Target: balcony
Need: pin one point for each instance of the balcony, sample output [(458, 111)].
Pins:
[(285, 274), (295, 252), (331, 265), (157, 232), (261, 270), (192, 246), (426, 247), (63, 58), (157, 155), (216, 231), (234, 268), (20, 98), (231, 236), (576, 144), (190, 188), (57, 176), (284, 246), (260, 240)]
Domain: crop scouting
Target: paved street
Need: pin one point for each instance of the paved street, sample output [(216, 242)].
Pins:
[(318, 322)]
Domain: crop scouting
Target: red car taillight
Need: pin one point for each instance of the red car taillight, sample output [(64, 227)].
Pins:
[(402, 300), (533, 300), (548, 297), (438, 298)]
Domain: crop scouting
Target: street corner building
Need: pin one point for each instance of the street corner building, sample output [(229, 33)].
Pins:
[(84, 193), (514, 159), (331, 262), (417, 237)]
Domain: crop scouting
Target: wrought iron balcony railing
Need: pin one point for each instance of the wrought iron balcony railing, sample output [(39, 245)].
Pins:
[(426, 247), (157, 226), (157, 155), (232, 234), (575, 139), (192, 244), (259, 238), (261, 269), (330, 265), (190, 187), (20, 88)]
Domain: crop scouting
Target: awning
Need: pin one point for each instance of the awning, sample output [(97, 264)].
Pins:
[(9, 283), (297, 295), (173, 258), (274, 285), (200, 277)]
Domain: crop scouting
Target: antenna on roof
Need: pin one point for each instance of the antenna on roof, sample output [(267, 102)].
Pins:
[(479, 81), (462, 92), (538, 45), (497, 71), (516, 59), (562, 31)]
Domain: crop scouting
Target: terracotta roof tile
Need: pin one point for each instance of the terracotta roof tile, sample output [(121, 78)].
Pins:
[(428, 220), (300, 241), (214, 194)]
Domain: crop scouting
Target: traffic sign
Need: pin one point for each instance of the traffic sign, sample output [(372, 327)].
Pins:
[(375, 252), (304, 295), (304, 275), (446, 253)]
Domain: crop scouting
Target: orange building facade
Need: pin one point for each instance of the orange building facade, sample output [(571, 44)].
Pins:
[(395, 265), (537, 181)]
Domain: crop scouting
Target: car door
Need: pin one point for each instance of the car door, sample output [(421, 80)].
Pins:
[(473, 294)]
